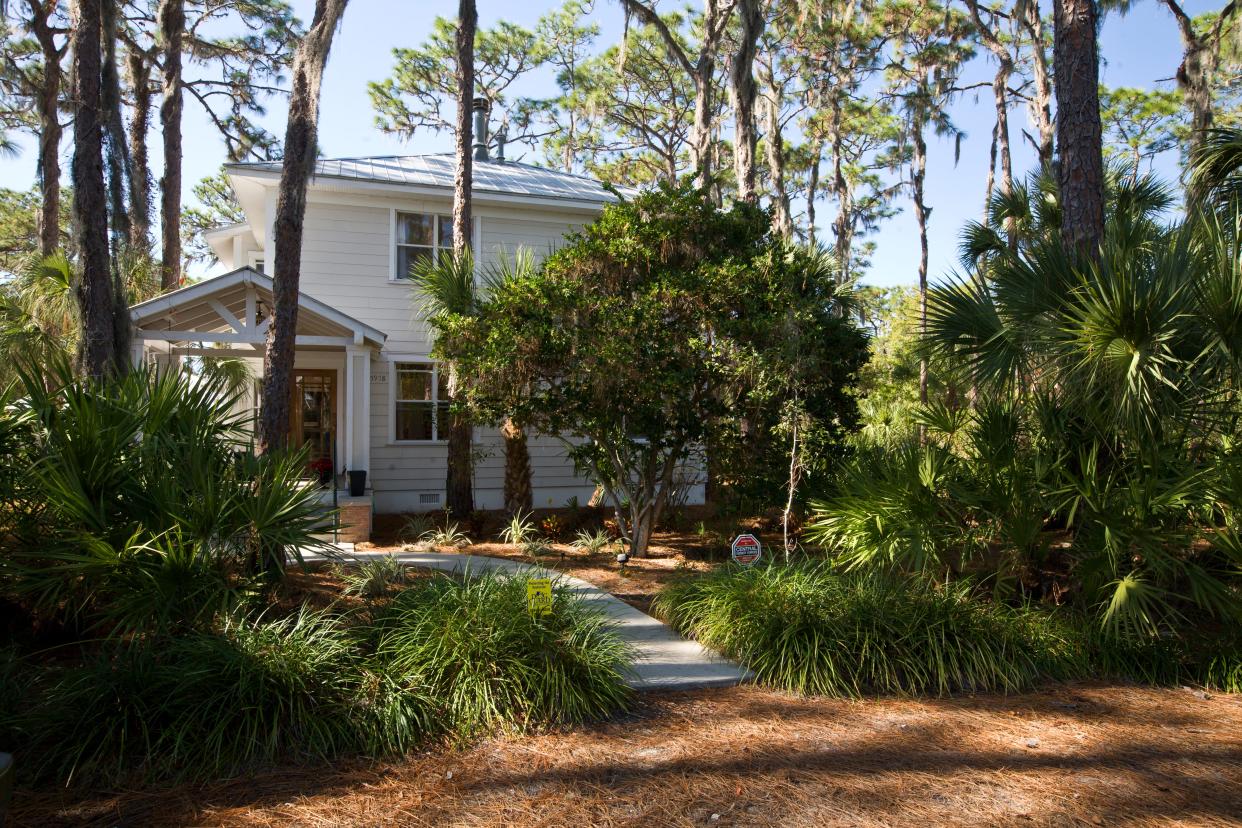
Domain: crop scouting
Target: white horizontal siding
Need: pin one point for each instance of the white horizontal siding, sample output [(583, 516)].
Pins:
[(346, 263)]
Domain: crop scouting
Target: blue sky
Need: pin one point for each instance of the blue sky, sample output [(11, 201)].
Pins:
[(1140, 49)]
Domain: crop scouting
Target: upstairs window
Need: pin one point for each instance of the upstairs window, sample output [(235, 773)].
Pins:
[(421, 402), (420, 236)]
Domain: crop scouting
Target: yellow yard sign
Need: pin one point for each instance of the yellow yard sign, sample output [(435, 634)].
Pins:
[(539, 596)]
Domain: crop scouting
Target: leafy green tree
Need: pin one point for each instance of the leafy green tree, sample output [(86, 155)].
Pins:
[(632, 111), (21, 228), (420, 92), (217, 206), (1139, 124), (794, 360), (569, 41), (621, 341)]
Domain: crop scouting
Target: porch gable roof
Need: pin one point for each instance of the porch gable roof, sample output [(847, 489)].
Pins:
[(229, 309)]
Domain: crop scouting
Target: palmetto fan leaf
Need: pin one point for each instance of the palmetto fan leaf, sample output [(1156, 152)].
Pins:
[(964, 324), (445, 284), (1216, 169)]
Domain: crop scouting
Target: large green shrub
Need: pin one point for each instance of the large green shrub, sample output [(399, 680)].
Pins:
[(809, 629), (471, 644), (210, 703)]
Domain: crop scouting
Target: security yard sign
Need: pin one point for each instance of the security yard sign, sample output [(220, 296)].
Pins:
[(747, 549), (539, 596)]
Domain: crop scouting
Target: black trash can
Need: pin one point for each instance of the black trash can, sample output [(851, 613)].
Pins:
[(357, 483)]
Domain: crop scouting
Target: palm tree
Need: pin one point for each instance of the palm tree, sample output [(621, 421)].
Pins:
[(447, 287), (39, 313), (1130, 364)]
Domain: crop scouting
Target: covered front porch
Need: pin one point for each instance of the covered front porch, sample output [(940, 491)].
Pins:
[(228, 316)]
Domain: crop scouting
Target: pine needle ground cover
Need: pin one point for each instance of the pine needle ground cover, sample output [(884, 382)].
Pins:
[(1064, 755)]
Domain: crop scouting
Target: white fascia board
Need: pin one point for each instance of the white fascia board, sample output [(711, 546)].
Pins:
[(480, 196)]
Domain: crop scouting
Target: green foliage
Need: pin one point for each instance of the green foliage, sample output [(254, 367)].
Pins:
[(214, 703), (592, 543), (19, 226), (472, 645), (1140, 124), (808, 629), (519, 530), (420, 93), (217, 207), (792, 362), (134, 504), (448, 535), (610, 340), (1106, 413), (1216, 169), (416, 528), (374, 578)]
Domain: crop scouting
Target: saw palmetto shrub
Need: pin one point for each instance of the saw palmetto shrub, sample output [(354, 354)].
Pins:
[(135, 505)]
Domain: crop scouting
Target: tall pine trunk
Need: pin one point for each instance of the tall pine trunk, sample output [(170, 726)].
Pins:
[(742, 89), (918, 180), (812, 188), (1194, 75), (774, 142), (117, 150), (97, 355), (301, 130), (47, 106), (1041, 97), (458, 484), (139, 72), (171, 21), (1080, 158)]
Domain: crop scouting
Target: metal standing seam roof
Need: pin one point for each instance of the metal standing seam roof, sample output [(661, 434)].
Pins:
[(505, 177)]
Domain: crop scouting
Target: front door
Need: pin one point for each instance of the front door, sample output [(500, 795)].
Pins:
[(312, 415)]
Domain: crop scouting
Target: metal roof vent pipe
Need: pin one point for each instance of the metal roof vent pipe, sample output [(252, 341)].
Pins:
[(502, 138), (481, 108)]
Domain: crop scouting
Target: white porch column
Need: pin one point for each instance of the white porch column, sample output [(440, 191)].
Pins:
[(357, 432)]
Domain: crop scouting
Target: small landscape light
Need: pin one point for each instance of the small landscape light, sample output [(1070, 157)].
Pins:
[(622, 559)]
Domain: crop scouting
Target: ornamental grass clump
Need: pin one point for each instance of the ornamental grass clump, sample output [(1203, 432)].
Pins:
[(215, 703), (811, 630), (471, 644)]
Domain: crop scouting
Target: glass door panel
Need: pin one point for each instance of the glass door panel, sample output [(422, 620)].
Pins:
[(313, 412)]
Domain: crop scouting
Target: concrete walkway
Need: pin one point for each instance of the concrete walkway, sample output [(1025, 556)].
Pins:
[(666, 661)]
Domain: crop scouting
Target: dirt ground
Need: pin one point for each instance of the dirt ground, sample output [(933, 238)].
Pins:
[(1076, 755), (671, 552)]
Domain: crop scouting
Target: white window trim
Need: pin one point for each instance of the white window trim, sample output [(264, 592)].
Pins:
[(393, 361), (476, 236), (253, 260)]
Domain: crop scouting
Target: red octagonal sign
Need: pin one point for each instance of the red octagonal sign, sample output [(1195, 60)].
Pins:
[(746, 549)]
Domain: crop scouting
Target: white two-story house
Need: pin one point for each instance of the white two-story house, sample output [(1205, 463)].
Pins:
[(368, 395)]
